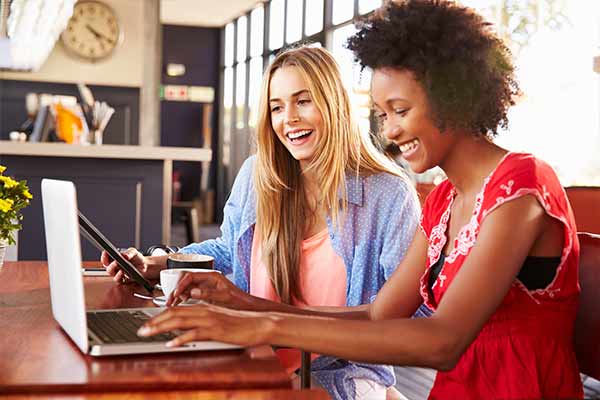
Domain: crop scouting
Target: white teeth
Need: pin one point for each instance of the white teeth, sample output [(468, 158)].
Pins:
[(409, 146), (296, 135)]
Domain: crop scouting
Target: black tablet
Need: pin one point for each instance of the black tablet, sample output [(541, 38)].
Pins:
[(102, 243)]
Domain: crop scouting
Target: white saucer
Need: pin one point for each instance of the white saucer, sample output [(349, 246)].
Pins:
[(161, 301)]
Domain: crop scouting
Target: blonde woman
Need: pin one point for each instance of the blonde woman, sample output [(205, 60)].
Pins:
[(317, 218)]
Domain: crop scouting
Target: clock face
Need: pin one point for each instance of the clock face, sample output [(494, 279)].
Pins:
[(93, 31)]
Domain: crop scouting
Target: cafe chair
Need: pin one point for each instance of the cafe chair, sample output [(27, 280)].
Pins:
[(160, 250), (584, 202), (305, 360), (199, 210), (189, 212), (305, 370), (587, 325)]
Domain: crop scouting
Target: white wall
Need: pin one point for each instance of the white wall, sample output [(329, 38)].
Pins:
[(123, 68)]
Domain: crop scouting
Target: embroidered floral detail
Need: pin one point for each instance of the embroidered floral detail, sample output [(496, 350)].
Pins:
[(437, 239), (468, 234), (465, 240), (545, 196), (545, 192), (424, 290), (442, 278), (508, 187)]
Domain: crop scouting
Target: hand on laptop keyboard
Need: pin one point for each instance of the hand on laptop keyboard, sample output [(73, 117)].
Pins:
[(212, 287)]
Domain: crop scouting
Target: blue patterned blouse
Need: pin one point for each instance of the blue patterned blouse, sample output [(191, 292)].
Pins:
[(382, 215)]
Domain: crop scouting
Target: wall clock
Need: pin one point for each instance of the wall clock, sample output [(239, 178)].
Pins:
[(93, 31)]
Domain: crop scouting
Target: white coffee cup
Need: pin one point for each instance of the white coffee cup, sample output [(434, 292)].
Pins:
[(169, 278), (182, 260)]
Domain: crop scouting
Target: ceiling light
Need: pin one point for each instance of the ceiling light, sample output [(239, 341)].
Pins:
[(32, 28)]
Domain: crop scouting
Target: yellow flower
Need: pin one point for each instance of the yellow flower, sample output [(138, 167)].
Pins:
[(27, 194), (8, 182), (2, 168), (6, 205)]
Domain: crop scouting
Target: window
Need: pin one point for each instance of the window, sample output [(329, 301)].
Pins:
[(257, 26), (344, 56), (227, 115), (343, 10), (294, 21), (242, 29), (365, 6), (314, 17), (240, 95), (228, 88), (356, 83), (276, 18), (229, 44), (557, 118), (256, 73), (228, 93), (553, 41)]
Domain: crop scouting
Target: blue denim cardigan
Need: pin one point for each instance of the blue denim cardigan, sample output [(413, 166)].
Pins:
[(377, 228)]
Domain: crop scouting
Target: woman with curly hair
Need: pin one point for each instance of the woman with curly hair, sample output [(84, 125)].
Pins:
[(494, 265), (319, 217)]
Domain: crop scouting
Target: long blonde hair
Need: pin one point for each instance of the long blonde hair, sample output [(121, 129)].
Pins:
[(282, 205)]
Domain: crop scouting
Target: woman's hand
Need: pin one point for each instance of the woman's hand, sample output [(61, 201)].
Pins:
[(214, 288), (141, 263), (209, 322)]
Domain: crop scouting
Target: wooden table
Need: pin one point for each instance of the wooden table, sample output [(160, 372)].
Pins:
[(37, 356), (262, 394)]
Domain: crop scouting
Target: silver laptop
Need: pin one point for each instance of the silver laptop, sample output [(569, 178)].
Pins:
[(97, 332)]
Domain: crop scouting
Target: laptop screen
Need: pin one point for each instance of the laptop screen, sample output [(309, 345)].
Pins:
[(61, 224)]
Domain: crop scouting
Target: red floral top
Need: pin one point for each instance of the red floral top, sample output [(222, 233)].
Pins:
[(525, 350)]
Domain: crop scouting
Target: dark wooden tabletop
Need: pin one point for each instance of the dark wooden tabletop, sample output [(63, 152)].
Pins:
[(263, 394), (38, 357)]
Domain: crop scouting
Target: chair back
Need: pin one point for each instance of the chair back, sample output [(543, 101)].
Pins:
[(585, 202), (587, 325)]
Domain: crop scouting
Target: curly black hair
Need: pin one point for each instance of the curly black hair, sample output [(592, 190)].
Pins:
[(465, 69)]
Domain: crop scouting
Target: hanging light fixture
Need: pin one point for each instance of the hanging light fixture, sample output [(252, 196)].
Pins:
[(29, 29)]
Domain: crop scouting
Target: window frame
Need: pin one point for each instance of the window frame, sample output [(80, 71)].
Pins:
[(323, 37), (226, 169)]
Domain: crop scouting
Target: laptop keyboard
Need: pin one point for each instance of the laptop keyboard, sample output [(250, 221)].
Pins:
[(121, 327)]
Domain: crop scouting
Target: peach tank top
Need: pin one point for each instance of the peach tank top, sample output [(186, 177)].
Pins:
[(322, 280)]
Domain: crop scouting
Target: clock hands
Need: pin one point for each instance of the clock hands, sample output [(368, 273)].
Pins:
[(98, 34)]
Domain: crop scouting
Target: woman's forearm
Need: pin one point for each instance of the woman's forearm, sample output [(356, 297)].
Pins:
[(417, 342), (359, 312), (159, 262)]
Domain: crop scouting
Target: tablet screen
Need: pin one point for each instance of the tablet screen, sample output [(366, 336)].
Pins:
[(99, 240)]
